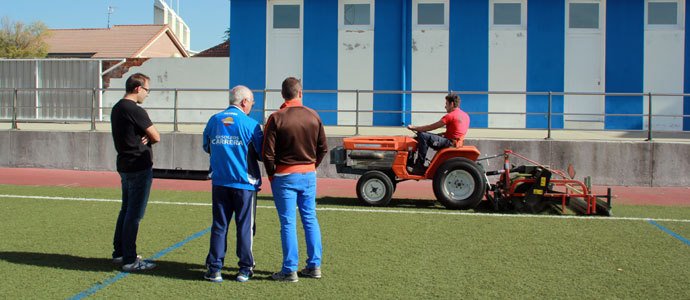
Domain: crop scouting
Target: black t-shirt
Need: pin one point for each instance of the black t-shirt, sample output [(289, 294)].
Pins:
[(129, 122)]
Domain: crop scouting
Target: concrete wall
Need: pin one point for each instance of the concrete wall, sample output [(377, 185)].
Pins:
[(608, 162)]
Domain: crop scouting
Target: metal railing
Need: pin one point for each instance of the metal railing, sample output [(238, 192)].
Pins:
[(96, 108)]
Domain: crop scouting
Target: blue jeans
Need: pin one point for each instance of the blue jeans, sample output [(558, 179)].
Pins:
[(426, 140), (289, 192), (227, 200), (135, 196)]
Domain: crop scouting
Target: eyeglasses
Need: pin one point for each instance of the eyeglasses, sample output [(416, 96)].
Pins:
[(145, 89)]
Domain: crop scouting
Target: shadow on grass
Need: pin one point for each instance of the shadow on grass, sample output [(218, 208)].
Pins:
[(395, 203), (169, 269)]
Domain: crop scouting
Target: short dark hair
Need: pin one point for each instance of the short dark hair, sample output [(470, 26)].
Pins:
[(291, 88), (135, 81), (453, 98)]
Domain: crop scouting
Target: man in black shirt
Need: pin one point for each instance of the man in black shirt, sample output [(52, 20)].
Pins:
[(133, 135)]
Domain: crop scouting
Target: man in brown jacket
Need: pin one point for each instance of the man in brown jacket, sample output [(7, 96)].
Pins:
[(294, 145)]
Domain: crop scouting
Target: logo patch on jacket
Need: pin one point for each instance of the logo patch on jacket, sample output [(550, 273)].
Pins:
[(228, 121)]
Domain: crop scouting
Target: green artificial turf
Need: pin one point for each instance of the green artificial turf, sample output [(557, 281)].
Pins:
[(60, 248)]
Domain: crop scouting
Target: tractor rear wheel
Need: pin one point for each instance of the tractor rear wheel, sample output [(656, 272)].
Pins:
[(459, 184), (375, 188)]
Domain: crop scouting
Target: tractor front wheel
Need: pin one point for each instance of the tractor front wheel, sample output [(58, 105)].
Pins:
[(459, 184), (375, 188)]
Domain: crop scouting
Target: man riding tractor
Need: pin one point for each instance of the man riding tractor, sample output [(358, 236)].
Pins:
[(456, 121)]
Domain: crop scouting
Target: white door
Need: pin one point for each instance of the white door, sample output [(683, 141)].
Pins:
[(664, 62), (507, 62), (429, 59), (284, 36), (355, 60), (584, 63)]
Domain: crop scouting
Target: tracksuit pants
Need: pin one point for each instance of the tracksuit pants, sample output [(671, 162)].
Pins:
[(242, 203), (292, 191)]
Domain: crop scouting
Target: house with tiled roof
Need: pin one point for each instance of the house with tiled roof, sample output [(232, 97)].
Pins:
[(119, 41), (220, 50)]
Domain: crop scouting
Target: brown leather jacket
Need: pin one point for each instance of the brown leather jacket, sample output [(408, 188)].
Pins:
[(294, 140)]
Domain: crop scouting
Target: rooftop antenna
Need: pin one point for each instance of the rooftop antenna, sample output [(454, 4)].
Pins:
[(111, 10)]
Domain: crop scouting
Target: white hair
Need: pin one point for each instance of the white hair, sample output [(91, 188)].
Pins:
[(239, 93)]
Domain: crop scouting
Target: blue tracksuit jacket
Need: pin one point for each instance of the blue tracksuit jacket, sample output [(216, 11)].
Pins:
[(234, 141)]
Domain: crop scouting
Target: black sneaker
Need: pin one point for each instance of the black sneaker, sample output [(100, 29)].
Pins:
[(280, 276), (314, 272)]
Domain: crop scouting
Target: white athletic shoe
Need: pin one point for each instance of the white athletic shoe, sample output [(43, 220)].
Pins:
[(138, 265)]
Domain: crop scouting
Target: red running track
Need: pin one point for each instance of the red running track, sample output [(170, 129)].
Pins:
[(665, 196)]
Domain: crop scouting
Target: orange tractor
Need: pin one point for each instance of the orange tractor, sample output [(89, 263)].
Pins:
[(460, 181)]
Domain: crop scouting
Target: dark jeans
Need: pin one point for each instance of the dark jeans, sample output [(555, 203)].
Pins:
[(135, 196), (227, 200), (426, 140)]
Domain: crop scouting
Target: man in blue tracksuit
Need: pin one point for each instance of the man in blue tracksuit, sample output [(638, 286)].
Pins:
[(234, 141)]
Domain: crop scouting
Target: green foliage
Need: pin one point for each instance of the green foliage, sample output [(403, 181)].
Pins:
[(18, 40), (57, 249)]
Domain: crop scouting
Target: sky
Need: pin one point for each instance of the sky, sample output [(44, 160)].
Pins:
[(207, 19)]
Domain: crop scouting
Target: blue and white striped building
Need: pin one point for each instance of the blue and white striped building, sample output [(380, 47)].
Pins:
[(598, 46)]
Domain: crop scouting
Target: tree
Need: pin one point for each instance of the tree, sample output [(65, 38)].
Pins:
[(18, 40)]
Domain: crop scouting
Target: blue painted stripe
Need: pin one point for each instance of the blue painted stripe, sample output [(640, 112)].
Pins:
[(180, 244), (121, 275), (675, 235), (545, 60), (320, 57), (468, 61), (686, 100), (624, 62), (100, 286), (387, 61), (248, 48)]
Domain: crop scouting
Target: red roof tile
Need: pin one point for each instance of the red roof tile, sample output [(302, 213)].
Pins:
[(220, 50)]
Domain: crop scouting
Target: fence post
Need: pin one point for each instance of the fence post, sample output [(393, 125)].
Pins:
[(548, 116), (357, 114), (175, 128), (649, 122), (14, 110), (93, 109), (263, 110)]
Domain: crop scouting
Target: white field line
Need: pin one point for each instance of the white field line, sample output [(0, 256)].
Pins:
[(365, 210)]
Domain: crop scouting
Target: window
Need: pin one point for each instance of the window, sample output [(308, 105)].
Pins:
[(662, 13), (431, 14), (507, 14), (286, 16), (357, 14), (584, 15)]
